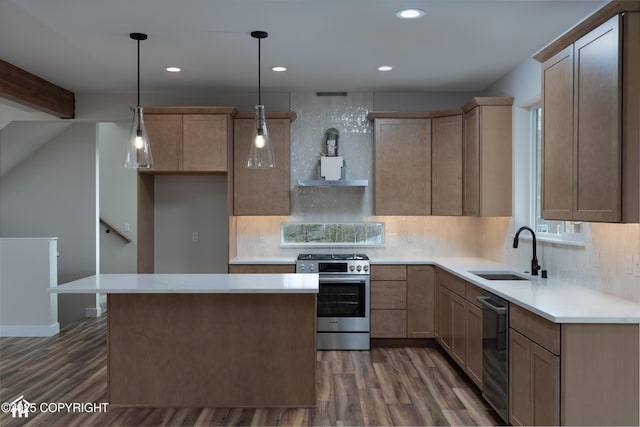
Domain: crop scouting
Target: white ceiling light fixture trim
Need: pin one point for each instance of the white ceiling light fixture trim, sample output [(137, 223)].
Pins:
[(385, 68), (279, 69), (410, 13), (173, 69)]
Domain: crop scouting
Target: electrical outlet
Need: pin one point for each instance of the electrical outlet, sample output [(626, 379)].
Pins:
[(636, 265), (195, 237), (411, 237), (260, 237)]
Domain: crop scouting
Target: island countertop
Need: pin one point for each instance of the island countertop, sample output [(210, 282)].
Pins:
[(191, 283)]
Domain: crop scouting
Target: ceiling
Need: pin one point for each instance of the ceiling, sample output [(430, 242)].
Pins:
[(327, 45)]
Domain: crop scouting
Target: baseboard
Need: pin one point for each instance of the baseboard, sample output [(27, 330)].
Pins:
[(93, 311), (30, 330), (403, 342)]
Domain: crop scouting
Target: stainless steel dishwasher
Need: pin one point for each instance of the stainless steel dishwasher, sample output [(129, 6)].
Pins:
[(495, 353)]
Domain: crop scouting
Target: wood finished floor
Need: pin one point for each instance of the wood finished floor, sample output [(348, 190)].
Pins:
[(384, 386)]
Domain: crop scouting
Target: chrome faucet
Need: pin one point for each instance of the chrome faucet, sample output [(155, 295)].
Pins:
[(534, 261)]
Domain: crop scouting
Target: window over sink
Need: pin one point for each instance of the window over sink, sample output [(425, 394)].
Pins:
[(305, 234)]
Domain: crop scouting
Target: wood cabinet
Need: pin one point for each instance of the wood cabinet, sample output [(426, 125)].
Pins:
[(261, 268), (262, 191), (487, 157), (189, 139), (591, 136), (402, 166), (446, 164), (420, 301), (534, 371), (459, 323), (388, 301)]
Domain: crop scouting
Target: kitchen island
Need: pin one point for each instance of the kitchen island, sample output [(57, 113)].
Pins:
[(208, 340)]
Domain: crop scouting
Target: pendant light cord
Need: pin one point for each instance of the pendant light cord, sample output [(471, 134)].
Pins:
[(138, 73), (259, 81)]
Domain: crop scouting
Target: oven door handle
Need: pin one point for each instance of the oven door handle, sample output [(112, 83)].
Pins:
[(485, 301), (338, 280)]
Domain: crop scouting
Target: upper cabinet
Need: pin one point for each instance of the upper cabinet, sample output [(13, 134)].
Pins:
[(189, 139), (591, 116), (402, 166), (487, 156), (446, 163), (262, 191)]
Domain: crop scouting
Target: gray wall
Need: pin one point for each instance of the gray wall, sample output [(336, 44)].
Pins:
[(53, 194)]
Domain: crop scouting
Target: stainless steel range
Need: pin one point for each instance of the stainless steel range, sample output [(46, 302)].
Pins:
[(343, 299)]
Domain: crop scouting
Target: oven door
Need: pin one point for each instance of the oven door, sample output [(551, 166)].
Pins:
[(343, 303)]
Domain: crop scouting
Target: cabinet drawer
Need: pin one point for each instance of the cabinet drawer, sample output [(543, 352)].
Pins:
[(472, 292), (451, 282), (389, 294), (541, 331), (388, 323), (261, 268), (388, 272)]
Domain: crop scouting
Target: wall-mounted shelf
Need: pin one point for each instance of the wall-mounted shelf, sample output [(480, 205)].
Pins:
[(339, 183)]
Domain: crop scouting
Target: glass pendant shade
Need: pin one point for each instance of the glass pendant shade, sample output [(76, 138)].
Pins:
[(138, 154), (260, 150)]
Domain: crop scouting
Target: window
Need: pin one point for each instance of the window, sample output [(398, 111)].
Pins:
[(569, 232), (332, 234)]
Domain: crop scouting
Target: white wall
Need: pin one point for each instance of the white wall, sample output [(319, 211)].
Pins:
[(118, 200), (53, 193), (604, 262), (185, 205)]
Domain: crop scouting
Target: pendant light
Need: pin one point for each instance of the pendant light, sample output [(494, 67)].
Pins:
[(260, 150), (138, 150)]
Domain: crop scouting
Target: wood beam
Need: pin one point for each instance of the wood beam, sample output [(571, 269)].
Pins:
[(28, 89)]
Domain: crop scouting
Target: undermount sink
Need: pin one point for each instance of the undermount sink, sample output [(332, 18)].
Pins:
[(499, 275)]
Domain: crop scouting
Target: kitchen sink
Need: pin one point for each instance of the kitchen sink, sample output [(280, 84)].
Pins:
[(499, 275)]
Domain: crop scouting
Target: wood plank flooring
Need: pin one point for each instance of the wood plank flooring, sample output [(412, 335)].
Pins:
[(381, 387)]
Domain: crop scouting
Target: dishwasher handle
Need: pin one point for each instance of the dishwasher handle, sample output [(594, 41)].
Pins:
[(484, 300)]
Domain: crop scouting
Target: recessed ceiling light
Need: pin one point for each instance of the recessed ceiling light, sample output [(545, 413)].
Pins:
[(410, 13), (385, 68), (173, 69), (279, 68)]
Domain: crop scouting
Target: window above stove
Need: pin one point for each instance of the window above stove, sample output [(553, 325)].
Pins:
[(315, 234)]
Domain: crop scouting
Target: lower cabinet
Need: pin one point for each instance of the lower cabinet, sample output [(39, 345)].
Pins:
[(458, 327), (534, 382), (388, 301), (402, 301)]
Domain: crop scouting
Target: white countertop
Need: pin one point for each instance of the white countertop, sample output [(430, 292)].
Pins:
[(551, 298), (191, 283)]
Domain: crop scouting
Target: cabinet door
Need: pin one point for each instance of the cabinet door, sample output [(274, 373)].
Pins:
[(446, 165), (446, 317), (402, 167), (420, 301), (388, 323), (261, 191), (388, 294), (471, 151), (520, 403), (204, 143), (545, 390), (473, 343), (597, 134), (557, 136), (459, 329), (165, 140)]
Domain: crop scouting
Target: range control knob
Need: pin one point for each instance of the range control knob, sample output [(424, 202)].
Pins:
[(366, 268), (301, 267), (311, 267), (352, 267), (359, 268)]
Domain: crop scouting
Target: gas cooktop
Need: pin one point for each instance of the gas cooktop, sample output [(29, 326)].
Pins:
[(332, 257)]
